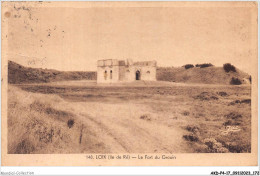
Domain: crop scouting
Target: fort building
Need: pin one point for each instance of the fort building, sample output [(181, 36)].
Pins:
[(113, 70)]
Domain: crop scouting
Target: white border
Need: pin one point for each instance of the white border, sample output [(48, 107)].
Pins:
[(131, 170)]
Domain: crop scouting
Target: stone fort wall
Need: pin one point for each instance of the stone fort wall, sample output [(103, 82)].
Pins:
[(112, 70)]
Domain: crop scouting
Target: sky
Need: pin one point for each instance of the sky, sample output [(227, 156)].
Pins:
[(73, 38)]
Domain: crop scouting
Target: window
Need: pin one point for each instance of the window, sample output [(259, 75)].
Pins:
[(137, 75), (105, 75), (110, 74)]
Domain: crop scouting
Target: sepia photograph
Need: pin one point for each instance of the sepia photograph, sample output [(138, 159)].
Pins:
[(150, 78)]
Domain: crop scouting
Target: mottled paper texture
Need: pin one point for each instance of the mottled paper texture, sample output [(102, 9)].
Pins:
[(129, 83)]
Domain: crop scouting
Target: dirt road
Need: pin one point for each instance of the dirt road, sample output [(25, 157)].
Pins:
[(121, 129)]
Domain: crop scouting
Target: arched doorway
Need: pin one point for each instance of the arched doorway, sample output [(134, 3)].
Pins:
[(137, 75)]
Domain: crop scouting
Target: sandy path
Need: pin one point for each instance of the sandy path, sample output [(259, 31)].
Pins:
[(119, 127)]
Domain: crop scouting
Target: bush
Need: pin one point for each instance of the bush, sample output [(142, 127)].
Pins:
[(192, 128), (191, 137), (215, 146), (223, 94), (186, 113), (24, 147), (233, 115), (70, 123), (145, 117), (228, 67), (235, 81), (206, 96), (247, 101), (204, 65), (187, 66), (236, 142)]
